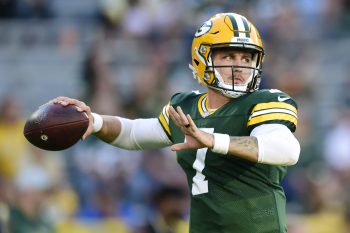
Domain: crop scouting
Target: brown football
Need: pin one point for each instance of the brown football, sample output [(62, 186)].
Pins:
[(55, 127)]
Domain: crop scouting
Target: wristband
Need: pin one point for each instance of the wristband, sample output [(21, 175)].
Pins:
[(221, 143), (98, 122)]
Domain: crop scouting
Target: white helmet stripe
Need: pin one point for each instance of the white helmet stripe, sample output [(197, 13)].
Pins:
[(241, 27)]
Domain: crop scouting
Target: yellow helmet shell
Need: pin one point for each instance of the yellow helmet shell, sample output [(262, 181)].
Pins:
[(223, 30)]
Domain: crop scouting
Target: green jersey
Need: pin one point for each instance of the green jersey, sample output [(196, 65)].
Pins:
[(230, 194)]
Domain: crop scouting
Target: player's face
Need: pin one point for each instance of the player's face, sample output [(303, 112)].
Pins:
[(232, 58)]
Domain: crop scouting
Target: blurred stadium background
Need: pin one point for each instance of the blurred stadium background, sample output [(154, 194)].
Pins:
[(127, 57)]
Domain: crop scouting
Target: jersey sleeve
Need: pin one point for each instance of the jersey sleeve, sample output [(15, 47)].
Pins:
[(177, 99), (164, 120), (278, 109)]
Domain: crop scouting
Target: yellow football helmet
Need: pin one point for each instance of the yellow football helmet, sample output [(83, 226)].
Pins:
[(226, 30)]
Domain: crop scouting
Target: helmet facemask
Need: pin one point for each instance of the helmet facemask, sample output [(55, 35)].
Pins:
[(244, 79)]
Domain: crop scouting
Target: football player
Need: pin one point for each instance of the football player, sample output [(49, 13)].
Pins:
[(234, 142)]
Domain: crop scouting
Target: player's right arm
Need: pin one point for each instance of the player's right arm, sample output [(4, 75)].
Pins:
[(121, 132), (110, 130)]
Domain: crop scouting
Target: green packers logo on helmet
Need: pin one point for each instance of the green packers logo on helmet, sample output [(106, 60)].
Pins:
[(203, 29)]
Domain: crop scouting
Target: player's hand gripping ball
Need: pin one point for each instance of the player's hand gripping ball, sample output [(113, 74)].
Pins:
[(55, 127)]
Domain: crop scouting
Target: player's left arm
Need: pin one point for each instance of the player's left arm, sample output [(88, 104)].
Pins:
[(271, 124), (271, 144)]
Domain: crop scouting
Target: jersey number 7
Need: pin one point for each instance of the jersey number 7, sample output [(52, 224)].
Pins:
[(200, 184)]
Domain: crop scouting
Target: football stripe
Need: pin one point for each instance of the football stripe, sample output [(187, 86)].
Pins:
[(272, 117)]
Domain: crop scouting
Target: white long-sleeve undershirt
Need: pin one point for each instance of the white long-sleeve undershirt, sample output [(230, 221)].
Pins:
[(276, 143)]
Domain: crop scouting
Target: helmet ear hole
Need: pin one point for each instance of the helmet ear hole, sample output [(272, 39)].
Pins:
[(196, 61)]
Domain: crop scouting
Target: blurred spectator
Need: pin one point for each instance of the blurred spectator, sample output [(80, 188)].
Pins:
[(60, 200), (4, 210), (51, 162), (345, 16), (337, 143), (137, 21), (149, 88), (62, 206), (347, 214), (12, 142), (76, 11), (167, 20), (27, 214), (34, 9), (295, 224), (7, 9), (97, 76), (112, 13), (72, 226), (156, 169), (68, 39), (98, 174), (107, 205), (170, 209)]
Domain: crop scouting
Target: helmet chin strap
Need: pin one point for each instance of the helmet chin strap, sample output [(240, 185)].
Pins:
[(194, 73)]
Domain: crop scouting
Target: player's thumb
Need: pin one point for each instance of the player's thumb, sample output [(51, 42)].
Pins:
[(179, 146), (87, 132)]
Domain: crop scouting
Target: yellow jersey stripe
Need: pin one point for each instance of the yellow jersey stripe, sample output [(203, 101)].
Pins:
[(203, 106), (206, 104), (199, 104), (165, 124), (271, 117), (166, 113), (264, 106), (273, 110)]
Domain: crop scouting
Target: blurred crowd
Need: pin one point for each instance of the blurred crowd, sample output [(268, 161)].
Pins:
[(132, 56)]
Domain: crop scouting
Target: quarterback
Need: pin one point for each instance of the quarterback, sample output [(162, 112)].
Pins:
[(234, 142)]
